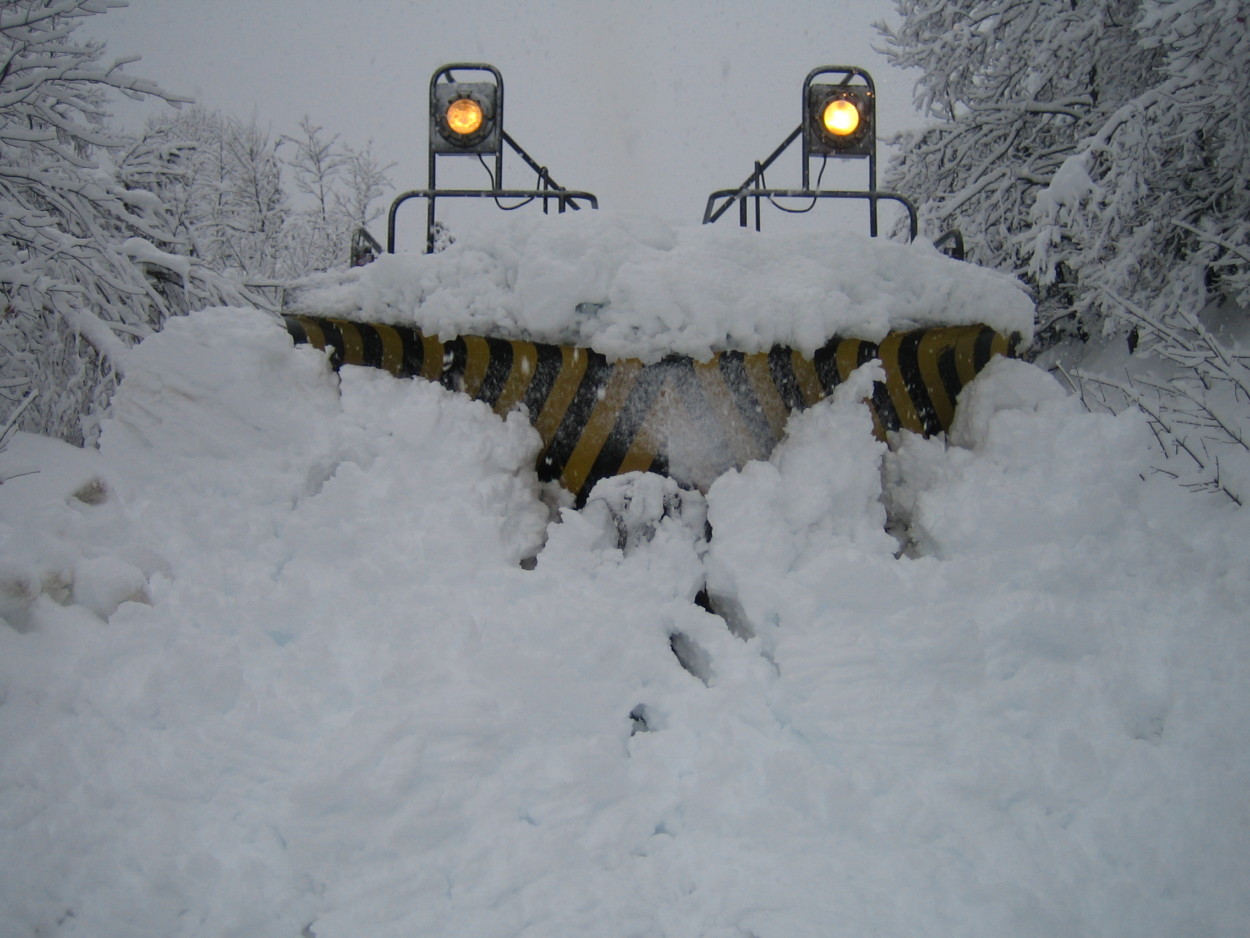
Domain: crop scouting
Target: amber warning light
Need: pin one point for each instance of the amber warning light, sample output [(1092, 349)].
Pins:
[(839, 120), (841, 117), (464, 116)]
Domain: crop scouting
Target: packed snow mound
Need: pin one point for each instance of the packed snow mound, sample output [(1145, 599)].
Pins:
[(303, 653), (634, 286)]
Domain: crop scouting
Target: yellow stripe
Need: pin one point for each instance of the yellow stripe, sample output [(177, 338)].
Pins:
[(847, 357), (645, 444), (903, 405), (476, 361), (431, 358), (572, 368), (612, 399), (353, 345), (721, 401), (1000, 345), (878, 428), (641, 455), (932, 345), (771, 404), (524, 364), (392, 349), (316, 337), (966, 355), (805, 374)]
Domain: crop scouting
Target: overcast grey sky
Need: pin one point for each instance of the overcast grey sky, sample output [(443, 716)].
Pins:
[(648, 104)]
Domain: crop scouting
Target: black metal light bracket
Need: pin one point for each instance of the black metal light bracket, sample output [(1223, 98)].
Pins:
[(855, 87), (477, 131)]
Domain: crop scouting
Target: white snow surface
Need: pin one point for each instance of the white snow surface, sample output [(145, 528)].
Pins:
[(272, 664), (631, 285)]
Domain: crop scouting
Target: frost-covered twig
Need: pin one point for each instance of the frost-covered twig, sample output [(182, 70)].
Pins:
[(10, 425), (1190, 411), (1168, 424)]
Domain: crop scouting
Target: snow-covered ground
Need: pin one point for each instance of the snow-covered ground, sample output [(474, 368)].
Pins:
[(296, 653)]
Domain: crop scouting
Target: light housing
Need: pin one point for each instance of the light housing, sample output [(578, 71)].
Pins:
[(841, 120), (464, 117)]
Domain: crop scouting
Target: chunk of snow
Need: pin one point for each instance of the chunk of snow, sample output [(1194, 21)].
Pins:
[(145, 252)]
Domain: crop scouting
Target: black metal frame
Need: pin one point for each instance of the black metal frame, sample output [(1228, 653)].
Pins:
[(365, 248), (547, 191), (752, 189)]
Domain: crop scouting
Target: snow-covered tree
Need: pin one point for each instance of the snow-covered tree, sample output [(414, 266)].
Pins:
[(339, 186), (228, 189), (93, 252), (265, 206), (1012, 87), (316, 238), (1101, 150), (256, 220), (1149, 216), (73, 296), (365, 180), (1096, 147)]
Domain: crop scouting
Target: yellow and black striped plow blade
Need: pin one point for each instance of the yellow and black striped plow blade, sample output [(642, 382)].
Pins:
[(679, 417)]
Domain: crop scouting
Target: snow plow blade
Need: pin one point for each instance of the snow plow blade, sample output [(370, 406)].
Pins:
[(678, 417)]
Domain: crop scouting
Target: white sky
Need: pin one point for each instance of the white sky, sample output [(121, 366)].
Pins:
[(650, 105)]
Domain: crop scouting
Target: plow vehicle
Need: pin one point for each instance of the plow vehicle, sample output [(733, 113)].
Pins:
[(600, 413)]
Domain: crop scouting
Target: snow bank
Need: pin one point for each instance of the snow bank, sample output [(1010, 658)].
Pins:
[(633, 286), (298, 653)]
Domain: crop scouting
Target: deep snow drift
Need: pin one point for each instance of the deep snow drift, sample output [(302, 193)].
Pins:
[(297, 653)]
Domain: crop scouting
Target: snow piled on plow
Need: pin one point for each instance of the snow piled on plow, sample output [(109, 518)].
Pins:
[(634, 286), (297, 653)]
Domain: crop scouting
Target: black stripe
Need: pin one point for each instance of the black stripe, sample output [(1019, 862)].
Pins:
[(734, 373), (825, 361), (866, 352), (296, 330), (546, 371), (913, 381), (370, 344), (455, 357), (334, 342), (781, 368), (629, 421), (598, 370), (414, 351), (949, 372), (497, 370), (984, 348), (881, 402)]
